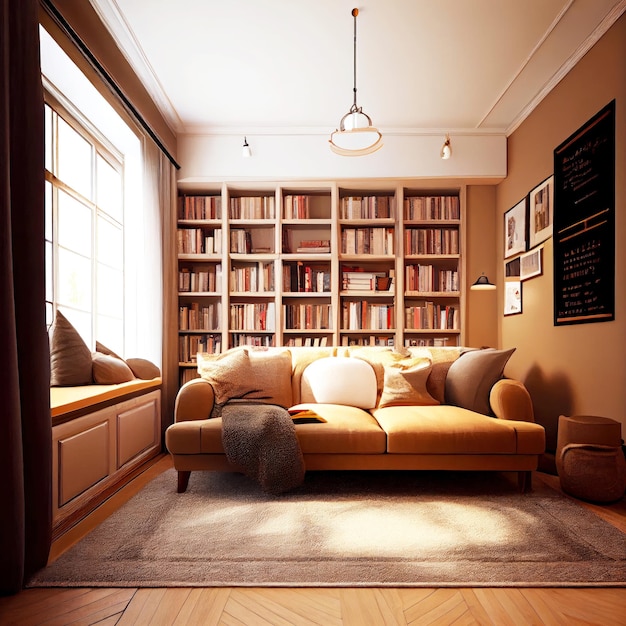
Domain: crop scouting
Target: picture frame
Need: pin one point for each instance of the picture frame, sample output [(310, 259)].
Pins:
[(512, 297), (512, 268), (515, 229), (531, 264), (541, 212)]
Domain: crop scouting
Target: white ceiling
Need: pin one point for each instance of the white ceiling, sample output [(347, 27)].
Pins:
[(285, 66)]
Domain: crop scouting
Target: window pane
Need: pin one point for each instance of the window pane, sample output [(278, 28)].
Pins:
[(110, 243), (49, 274), (81, 322), (109, 185), (74, 280), (110, 291), (74, 220), (74, 159), (48, 210), (110, 332), (48, 133)]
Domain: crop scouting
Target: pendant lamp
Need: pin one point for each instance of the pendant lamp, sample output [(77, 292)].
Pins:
[(355, 136)]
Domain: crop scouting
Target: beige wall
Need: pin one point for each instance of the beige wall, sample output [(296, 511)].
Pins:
[(481, 320), (578, 369)]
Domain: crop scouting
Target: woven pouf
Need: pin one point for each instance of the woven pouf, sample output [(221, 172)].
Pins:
[(589, 458)]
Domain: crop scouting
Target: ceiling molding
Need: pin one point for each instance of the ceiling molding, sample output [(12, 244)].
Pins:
[(571, 62), (113, 19)]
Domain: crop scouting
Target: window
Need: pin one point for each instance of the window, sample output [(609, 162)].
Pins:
[(85, 229)]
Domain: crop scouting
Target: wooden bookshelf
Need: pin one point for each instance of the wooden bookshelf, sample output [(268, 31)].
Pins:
[(318, 263)]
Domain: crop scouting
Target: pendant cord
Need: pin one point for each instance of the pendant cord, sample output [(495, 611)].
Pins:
[(355, 12)]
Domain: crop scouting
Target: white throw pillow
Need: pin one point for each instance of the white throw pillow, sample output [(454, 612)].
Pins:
[(342, 380)]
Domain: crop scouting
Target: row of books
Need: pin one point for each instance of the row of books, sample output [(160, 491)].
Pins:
[(313, 246), (429, 278), (372, 340), (360, 280), (199, 241), (366, 207), (253, 316), (252, 208), (432, 208), (367, 241), (302, 277), (240, 241), (297, 207), (190, 345), (256, 341), (200, 280), (199, 317), (412, 342), (431, 241), (429, 315), (307, 316), (199, 207), (253, 278), (361, 314), (297, 342)]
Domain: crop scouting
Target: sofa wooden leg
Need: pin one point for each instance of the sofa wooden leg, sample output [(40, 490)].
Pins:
[(183, 481), (524, 481)]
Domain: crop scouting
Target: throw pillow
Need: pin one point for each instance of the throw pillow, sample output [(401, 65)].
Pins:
[(471, 377), (143, 369), (406, 385), (442, 358), (110, 370), (342, 380), (230, 374), (70, 358), (271, 376), (102, 348)]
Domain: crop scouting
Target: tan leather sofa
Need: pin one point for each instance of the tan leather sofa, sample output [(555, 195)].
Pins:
[(440, 435)]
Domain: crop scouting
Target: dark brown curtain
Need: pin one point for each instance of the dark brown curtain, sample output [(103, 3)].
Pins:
[(25, 430)]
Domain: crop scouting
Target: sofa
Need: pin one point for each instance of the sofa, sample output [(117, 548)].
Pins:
[(362, 408)]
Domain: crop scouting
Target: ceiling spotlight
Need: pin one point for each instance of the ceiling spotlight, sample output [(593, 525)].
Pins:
[(482, 283), (446, 149), (355, 136), (245, 149)]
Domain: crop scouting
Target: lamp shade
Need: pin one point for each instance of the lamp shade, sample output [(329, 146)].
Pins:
[(483, 284)]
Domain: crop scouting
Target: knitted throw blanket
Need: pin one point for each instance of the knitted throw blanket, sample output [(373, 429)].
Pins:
[(260, 440)]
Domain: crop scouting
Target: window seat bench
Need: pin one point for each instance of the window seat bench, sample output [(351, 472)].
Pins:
[(101, 435)]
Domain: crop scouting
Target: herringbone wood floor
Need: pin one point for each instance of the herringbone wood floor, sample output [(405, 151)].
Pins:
[(324, 606)]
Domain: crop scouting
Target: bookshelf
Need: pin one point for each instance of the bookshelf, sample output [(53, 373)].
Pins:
[(318, 263)]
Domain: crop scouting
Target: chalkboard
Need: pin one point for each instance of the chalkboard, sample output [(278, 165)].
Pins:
[(584, 223)]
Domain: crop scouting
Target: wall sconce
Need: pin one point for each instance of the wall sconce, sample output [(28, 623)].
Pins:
[(446, 149), (483, 284), (245, 149)]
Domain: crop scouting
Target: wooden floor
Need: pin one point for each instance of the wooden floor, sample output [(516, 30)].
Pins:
[(324, 606)]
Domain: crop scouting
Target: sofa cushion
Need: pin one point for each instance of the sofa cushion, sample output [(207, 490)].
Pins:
[(342, 380), (301, 358), (442, 358), (70, 358), (447, 430), (230, 374), (110, 370), (471, 377), (405, 384)]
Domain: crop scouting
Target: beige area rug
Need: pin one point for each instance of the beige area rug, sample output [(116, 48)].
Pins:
[(346, 529)]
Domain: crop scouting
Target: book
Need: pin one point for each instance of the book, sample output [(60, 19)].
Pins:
[(304, 415)]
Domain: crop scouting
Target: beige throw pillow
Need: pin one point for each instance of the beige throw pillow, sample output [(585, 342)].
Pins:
[(230, 374), (405, 385), (143, 369)]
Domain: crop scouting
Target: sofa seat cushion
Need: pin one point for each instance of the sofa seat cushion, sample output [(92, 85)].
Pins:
[(454, 430), (346, 430)]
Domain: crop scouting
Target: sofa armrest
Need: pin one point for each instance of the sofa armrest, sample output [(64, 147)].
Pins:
[(194, 401), (510, 400)]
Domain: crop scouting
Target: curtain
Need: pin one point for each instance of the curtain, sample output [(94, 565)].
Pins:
[(160, 246), (25, 426)]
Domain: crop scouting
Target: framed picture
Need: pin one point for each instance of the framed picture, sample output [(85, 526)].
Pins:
[(515, 229), (512, 268), (541, 212), (531, 263), (512, 297)]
